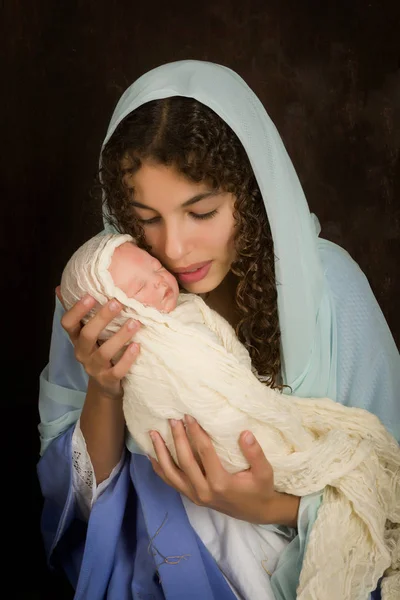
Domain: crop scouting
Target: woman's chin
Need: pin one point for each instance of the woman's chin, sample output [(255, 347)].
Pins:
[(205, 286)]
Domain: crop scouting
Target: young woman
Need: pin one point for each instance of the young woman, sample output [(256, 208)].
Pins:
[(193, 167)]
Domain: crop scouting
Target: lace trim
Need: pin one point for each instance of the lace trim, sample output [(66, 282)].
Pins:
[(83, 478), (83, 467)]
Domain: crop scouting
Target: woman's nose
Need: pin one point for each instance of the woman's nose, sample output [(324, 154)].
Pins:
[(176, 244)]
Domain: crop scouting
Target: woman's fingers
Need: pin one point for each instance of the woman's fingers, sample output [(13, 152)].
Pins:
[(260, 467), (90, 333), (71, 320), (184, 452), (106, 362), (121, 368), (157, 468), (215, 473), (189, 477), (118, 340), (167, 469)]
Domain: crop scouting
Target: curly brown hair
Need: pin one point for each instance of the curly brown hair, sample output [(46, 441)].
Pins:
[(183, 133)]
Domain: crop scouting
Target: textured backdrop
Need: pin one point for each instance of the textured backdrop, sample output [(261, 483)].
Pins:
[(328, 74)]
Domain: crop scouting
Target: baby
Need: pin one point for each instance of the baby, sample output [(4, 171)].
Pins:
[(191, 362), (141, 276)]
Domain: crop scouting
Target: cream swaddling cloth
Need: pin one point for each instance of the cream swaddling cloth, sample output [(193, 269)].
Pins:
[(191, 362)]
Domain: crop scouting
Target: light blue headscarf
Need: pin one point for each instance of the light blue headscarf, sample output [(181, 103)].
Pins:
[(306, 314)]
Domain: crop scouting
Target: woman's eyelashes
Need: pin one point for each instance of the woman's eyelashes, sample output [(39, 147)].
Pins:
[(204, 216), (195, 216), (149, 221)]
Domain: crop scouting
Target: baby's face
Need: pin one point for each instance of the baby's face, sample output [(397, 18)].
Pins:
[(142, 277)]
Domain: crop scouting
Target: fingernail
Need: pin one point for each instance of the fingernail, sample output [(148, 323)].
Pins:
[(153, 435), (249, 438), (189, 419), (86, 300), (173, 422), (114, 305), (133, 348), (132, 324)]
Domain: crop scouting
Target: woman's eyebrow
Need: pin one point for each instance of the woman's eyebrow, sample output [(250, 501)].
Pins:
[(189, 202)]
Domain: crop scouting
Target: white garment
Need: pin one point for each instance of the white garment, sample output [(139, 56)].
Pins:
[(245, 553)]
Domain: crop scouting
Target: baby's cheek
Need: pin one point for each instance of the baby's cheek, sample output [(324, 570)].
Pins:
[(173, 284), (151, 297)]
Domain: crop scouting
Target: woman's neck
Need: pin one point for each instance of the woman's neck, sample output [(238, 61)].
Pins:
[(222, 299)]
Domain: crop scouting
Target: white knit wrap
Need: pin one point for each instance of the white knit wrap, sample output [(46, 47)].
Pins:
[(192, 363)]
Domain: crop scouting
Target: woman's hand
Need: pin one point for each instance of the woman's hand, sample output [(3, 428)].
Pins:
[(95, 358), (248, 495)]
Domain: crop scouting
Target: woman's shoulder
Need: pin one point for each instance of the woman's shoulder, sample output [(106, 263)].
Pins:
[(356, 306), (368, 361), (349, 287), (339, 266)]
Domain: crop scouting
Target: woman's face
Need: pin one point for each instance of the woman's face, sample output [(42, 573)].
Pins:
[(189, 226)]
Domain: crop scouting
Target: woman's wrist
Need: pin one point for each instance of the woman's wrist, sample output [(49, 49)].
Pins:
[(282, 509), (103, 427), (97, 392)]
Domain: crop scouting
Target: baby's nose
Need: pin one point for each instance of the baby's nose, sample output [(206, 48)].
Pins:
[(160, 282)]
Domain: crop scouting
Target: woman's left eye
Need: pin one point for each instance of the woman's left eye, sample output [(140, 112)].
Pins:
[(204, 216), (152, 221)]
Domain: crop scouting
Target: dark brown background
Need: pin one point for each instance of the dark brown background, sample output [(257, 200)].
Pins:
[(327, 72)]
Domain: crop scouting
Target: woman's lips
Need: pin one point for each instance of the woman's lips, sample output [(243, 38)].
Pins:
[(192, 267), (193, 273)]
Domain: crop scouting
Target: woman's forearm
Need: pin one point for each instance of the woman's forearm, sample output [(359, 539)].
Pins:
[(283, 509), (103, 427)]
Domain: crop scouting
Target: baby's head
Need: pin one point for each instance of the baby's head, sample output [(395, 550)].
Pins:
[(142, 277)]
